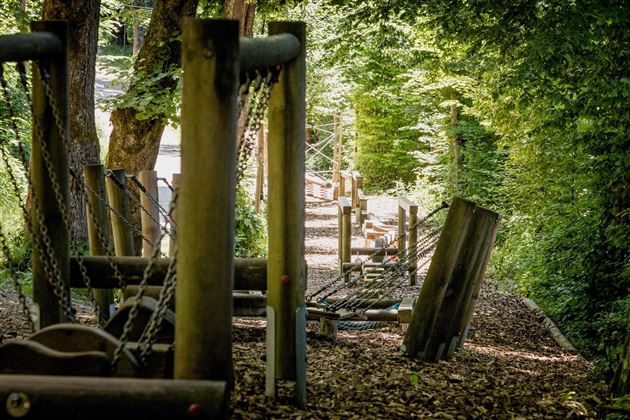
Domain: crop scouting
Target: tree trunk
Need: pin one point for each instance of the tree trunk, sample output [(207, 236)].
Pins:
[(83, 17), (243, 11), (134, 144)]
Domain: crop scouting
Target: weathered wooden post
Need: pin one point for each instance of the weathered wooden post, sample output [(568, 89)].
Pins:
[(173, 237), (344, 214), (205, 234), (402, 230), (286, 271), (413, 244), (150, 229), (50, 309), (119, 202), (463, 319), (94, 176), (472, 259), (438, 277)]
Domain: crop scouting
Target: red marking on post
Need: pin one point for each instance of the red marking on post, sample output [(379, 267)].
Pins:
[(195, 410), (285, 279)]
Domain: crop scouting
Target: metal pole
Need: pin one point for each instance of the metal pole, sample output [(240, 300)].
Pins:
[(57, 66), (205, 264)]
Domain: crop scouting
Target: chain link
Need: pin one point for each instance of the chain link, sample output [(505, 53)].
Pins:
[(133, 312)]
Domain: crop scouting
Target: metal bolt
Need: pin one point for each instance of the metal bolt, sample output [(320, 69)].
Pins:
[(18, 404), (208, 52)]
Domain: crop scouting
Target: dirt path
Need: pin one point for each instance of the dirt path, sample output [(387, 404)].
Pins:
[(509, 368)]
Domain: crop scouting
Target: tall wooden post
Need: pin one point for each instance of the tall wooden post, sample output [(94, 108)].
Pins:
[(205, 234), (173, 240), (94, 176), (440, 274), (471, 261), (345, 233), (118, 201), (286, 271), (413, 244), (150, 229), (50, 309), (402, 231)]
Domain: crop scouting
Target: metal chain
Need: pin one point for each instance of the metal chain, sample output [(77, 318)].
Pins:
[(259, 95), (109, 174), (152, 199), (133, 312)]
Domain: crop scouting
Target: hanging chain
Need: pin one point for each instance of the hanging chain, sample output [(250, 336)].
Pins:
[(152, 199), (133, 312), (259, 94)]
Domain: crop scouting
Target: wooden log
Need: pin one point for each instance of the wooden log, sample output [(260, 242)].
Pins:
[(454, 306), (35, 397), (286, 141), (33, 358), (150, 229), (373, 250), (405, 310), (205, 237), (50, 308), (412, 236), (267, 52), (249, 273), (345, 230), (328, 328), (96, 214), (160, 360), (118, 201), (173, 237), (438, 277), (31, 46), (77, 338), (465, 320)]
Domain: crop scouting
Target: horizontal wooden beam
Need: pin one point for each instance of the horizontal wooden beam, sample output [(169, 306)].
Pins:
[(249, 273), (29, 46), (72, 397), (373, 251), (267, 52)]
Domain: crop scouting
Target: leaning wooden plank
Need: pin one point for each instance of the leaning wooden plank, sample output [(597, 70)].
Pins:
[(73, 338), (32, 358), (70, 398)]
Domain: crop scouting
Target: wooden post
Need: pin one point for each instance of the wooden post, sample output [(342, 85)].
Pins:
[(94, 176), (413, 244), (150, 229), (471, 260), (337, 136), (402, 230), (345, 233), (171, 242), (440, 274), (463, 319), (260, 167), (286, 269), (118, 201), (205, 235), (50, 310)]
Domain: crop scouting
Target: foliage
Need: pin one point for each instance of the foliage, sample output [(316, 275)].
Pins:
[(250, 236)]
